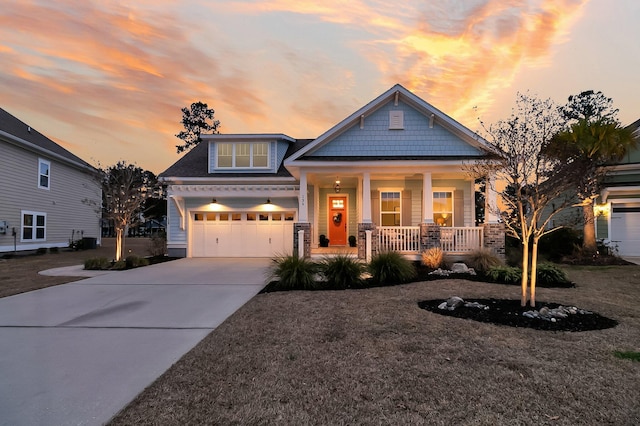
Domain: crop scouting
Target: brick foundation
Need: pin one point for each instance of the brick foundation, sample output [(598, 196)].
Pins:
[(362, 239), (429, 236)]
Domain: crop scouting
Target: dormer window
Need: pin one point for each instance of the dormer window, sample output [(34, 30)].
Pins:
[(243, 155)]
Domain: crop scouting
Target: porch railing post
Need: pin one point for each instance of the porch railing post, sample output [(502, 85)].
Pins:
[(368, 237)]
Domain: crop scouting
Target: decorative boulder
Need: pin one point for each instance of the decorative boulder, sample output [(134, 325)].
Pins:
[(454, 302), (459, 268)]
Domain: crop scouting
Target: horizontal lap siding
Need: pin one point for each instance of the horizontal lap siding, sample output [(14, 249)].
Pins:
[(67, 204)]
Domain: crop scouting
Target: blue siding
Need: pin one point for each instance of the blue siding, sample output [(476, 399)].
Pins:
[(416, 139)]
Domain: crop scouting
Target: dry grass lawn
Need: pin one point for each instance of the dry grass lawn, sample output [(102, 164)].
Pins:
[(20, 273), (373, 357)]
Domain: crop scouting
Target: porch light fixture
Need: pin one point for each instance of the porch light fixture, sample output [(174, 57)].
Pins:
[(268, 201), (213, 201), (336, 187)]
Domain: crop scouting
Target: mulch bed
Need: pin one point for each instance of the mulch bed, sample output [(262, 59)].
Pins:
[(509, 312)]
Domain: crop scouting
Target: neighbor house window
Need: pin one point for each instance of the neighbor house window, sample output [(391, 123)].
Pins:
[(44, 173), (390, 208), (243, 155), (443, 208), (34, 226)]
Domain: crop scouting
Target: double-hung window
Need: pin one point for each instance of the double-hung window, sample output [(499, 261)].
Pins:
[(390, 208), (44, 173), (34, 226), (443, 208), (243, 155)]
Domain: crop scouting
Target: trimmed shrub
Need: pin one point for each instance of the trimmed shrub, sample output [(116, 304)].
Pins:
[(340, 272), (550, 274), (433, 258), (119, 265), (505, 274), (97, 264), (391, 268), (135, 261), (559, 243), (483, 259), (293, 273)]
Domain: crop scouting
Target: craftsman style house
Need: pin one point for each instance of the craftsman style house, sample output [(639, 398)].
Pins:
[(388, 177), (46, 192), (618, 210)]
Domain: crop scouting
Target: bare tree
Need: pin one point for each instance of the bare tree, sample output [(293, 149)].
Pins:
[(124, 190), (533, 188)]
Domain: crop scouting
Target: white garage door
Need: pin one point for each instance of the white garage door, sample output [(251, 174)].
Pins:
[(625, 230), (241, 234)]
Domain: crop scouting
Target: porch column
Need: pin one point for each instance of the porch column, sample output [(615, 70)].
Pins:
[(427, 198), (366, 198), (491, 213), (303, 211)]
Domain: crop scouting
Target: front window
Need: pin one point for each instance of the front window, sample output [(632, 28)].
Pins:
[(34, 226), (44, 169), (390, 208), (243, 155), (443, 208)]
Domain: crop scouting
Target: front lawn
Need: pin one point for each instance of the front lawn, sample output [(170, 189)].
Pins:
[(373, 356)]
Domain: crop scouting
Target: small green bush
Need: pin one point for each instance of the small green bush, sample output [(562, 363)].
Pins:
[(135, 261), (432, 258), (505, 274), (97, 264), (483, 259), (549, 274), (41, 250), (293, 273), (391, 267), (340, 272), (119, 265), (54, 250)]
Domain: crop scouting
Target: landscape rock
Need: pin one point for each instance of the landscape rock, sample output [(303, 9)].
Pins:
[(459, 268)]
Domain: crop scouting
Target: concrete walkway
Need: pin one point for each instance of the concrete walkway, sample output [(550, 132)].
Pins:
[(79, 352)]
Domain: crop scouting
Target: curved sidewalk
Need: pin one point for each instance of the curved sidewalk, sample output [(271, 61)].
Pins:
[(78, 353)]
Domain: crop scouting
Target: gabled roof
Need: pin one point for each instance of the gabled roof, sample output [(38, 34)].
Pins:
[(396, 93), (18, 133)]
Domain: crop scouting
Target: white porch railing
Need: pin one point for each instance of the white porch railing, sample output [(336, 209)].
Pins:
[(399, 238), (406, 239), (460, 239)]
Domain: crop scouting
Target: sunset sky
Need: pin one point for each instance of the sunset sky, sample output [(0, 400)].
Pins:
[(106, 79)]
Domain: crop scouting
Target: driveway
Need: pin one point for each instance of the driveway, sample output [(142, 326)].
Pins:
[(79, 352)]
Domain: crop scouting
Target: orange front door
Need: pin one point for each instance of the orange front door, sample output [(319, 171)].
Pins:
[(338, 221)]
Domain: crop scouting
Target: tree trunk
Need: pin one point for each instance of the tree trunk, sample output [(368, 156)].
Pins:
[(525, 270), (119, 232), (589, 229), (534, 272)]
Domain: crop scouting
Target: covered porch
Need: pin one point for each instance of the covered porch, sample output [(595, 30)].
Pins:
[(391, 210)]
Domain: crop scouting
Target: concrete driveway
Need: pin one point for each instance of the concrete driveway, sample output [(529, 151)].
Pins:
[(79, 352)]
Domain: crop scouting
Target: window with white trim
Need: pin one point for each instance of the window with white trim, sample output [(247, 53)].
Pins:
[(34, 226), (44, 173), (443, 208), (390, 208), (242, 155)]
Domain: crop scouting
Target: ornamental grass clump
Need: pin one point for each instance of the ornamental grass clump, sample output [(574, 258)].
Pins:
[(293, 273), (97, 264), (483, 259), (341, 271), (433, 257), (391, 268)]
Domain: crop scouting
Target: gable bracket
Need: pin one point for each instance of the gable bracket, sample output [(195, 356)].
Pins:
[(431, 120), (395, 102), (179, 202)]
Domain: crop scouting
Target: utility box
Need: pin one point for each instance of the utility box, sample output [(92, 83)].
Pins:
[(4, 225)]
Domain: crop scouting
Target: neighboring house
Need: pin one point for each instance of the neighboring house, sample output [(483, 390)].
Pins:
[(618, 213), (45, 191), (391, 175)]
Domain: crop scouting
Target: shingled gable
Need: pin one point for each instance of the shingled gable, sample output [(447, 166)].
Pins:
[(473, 145), (17, 132)]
